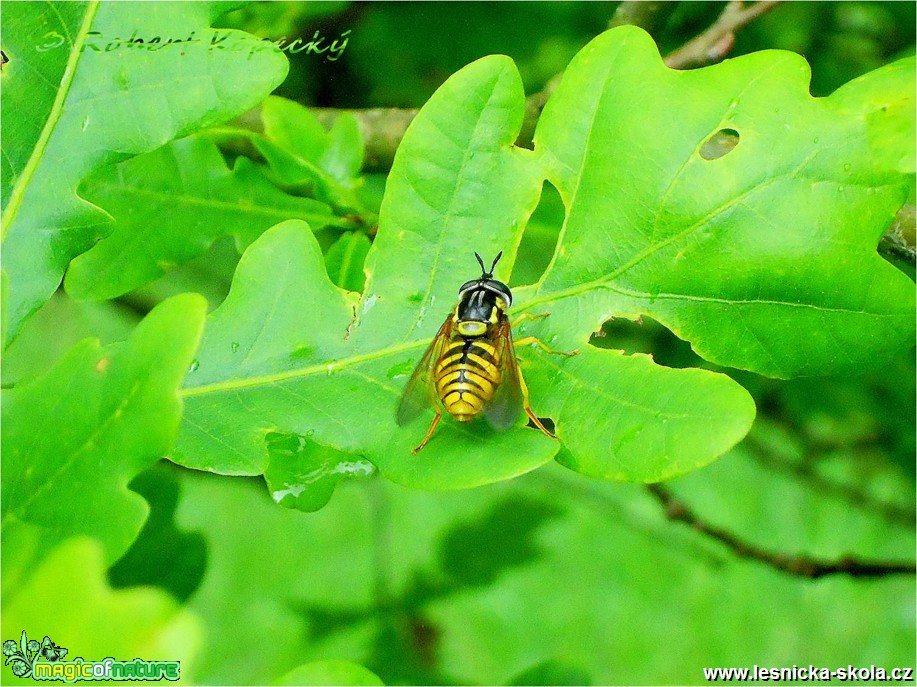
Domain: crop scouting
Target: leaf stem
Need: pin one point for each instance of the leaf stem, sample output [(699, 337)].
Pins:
[(715, 42)]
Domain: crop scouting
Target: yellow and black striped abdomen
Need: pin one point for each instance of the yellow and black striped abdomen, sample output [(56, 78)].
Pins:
[(467, 375)]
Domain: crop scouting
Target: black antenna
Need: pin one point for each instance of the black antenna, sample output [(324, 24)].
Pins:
[(481, 263), (484, 273)]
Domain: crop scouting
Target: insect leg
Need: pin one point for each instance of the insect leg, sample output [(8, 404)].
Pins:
[(528, 408), (529, 316), (541, 344), (439, 415)]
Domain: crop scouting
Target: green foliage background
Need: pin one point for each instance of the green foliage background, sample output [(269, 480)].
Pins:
[(739, 336)]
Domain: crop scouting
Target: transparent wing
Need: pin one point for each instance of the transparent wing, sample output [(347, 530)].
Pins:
[(506, 404), (419, 392)]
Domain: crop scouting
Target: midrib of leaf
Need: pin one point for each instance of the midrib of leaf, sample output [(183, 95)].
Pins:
[(54, 115), (116, 413), (321, 368), (209, 203), (447, 217), (604, 280), (741, 301)]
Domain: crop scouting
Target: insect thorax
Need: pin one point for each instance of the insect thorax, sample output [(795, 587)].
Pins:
[(481, 306)]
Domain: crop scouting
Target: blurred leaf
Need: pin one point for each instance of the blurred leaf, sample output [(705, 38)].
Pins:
[(84, 112), (301, 153), (329, 673), (210, 275), (540, 237), (247, 597), (344, 261), (162, 555), (474, 554), (406, 50), (275, 19), (57, 326), (361, 581), (302, 474), (75, 437), (67, 598), (551, 672), (343, 154), (169, 206)]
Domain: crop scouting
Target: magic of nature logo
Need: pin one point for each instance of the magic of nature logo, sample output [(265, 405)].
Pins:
[(44, 660)]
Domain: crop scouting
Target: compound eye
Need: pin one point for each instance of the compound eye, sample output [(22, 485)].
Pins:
[(467, 285), (504, 292)]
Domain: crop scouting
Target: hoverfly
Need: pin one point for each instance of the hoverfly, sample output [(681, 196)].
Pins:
[(470, 366)]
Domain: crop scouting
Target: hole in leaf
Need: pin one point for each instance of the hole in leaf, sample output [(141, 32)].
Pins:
[(718, 145), (539, 239), (646, 336), (547, 422)]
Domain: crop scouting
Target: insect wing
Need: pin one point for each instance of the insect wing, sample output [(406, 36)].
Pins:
[(504, 408), (419, 392)]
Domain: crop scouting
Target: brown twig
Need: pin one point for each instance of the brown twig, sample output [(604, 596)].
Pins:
[(806, 473), (798, 565), (715, 42)]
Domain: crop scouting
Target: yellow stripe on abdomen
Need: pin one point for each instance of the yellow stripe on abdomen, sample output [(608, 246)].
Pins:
[(466, 378)]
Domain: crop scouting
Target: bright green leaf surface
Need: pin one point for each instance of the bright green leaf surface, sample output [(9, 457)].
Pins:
[(99, 106), (289, 352), (737, 254), (885, 99), (67, 598), (75, 437), (329, 673), (169, 206)]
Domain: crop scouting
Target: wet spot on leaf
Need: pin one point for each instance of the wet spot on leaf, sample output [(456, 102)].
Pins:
[(400, 370), (303, 474)]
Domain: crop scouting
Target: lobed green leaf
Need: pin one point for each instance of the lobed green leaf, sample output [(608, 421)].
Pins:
[(74, 437), (67, 598), (101, 99), (735, 249), (169, 206)]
